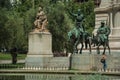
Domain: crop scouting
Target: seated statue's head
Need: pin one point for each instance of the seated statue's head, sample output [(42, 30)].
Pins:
[(40, 9)]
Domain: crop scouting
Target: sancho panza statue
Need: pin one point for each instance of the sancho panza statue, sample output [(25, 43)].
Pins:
[(102, 37), (41, 21), (103, 32)]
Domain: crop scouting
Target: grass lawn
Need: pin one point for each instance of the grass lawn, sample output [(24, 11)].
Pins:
[(7, 56)]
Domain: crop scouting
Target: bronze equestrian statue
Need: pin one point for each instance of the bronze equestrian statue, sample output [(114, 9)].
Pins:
[(78, 33), (103, 33)]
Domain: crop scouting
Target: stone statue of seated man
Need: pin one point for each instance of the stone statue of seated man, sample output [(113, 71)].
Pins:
[(41, 21)]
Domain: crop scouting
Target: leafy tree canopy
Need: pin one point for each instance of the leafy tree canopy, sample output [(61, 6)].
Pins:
[(16, 21)]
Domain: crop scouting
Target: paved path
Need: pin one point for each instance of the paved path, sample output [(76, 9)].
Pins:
[(9, 61)]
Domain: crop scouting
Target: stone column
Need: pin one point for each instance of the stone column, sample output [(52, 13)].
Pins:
[(117, 19), (111, 21), (116, 28)]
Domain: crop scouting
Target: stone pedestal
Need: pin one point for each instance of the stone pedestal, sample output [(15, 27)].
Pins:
[(40, 49), (82, 61), (40, 43)]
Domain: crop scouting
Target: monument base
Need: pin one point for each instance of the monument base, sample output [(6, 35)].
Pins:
[(47, 62), (40, 54), (37, 61), (40, 51), (91, 62)]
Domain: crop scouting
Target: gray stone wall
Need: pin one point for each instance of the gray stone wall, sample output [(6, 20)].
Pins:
[(48, 63), (88, 62)]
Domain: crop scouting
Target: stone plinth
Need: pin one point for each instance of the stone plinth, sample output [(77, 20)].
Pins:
[(40, 43), (40, 49), (82, 61)]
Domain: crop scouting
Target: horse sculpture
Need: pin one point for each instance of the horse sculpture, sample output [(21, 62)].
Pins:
[(77, 36), (87, 41), (104, 44)]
